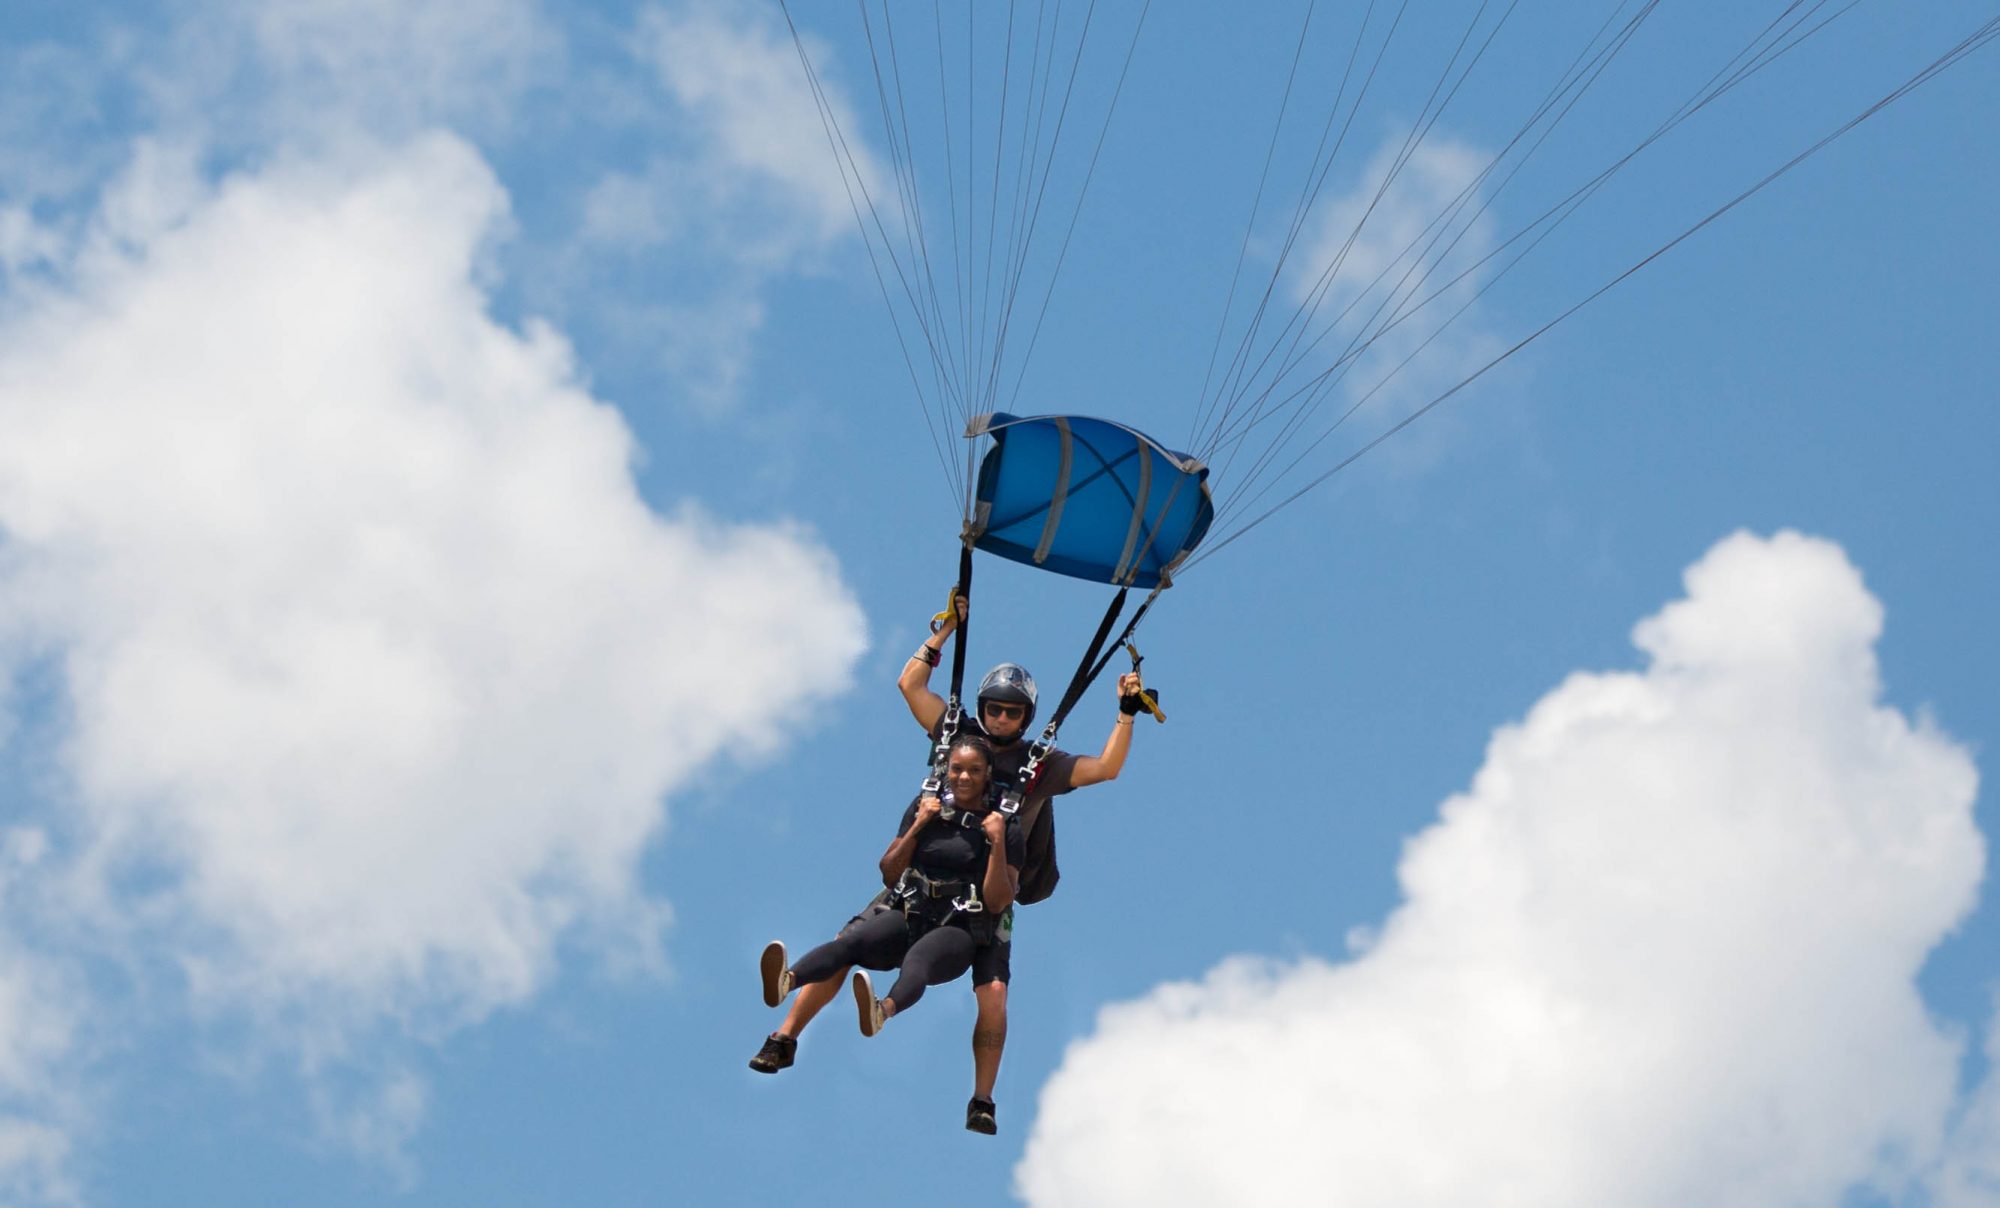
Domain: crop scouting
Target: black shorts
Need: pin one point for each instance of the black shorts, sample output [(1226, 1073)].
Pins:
[(994, 962)]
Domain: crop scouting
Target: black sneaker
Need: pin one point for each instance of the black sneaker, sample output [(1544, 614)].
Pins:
[(979, 1116), (777, 1054)]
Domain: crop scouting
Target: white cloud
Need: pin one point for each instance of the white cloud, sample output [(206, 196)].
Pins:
[(39, 1041), (1968, 1174), (734, 70), (376, 668), (279, 68), (739, 187), (1662, 952)]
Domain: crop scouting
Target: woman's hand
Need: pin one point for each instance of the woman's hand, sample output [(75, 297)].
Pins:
[(995, 826), (928, 808)]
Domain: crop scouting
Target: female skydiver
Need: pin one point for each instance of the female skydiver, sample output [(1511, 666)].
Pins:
[(953, 870)]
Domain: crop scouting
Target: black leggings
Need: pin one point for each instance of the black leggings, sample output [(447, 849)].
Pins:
[(881, 940)]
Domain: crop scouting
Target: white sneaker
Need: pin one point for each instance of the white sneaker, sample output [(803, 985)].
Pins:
[(870, 1006), (777, 976)]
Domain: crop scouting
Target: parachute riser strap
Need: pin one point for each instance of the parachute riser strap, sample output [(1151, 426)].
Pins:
[(964, 592), (1086, 675), (1125, 638), (954, 705), (1086, 670)]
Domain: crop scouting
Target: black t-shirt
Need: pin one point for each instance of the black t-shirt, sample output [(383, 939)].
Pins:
[(1037, 816), (947, 851)]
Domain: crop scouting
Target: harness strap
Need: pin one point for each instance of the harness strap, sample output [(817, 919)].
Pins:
[(914, 886)]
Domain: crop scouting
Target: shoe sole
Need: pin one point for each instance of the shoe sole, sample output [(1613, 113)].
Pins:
[(864, 1002), (982, 1123), (772, 966)]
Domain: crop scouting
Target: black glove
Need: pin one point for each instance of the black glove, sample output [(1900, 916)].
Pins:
[(1136, 703)]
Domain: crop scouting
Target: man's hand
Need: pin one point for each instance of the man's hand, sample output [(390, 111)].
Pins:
[(954, 612)]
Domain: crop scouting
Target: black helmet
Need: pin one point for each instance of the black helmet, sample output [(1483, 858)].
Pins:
[(1010, 683)]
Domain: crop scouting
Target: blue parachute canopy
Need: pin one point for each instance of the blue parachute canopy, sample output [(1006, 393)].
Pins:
[(1087, 498)]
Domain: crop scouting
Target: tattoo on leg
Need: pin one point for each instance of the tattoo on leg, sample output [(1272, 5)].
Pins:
[(989, 1038)]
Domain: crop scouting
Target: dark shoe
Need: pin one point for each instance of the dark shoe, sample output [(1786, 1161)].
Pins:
[(869, 1006), (776, 1054), (979, 1116), (777, 978)]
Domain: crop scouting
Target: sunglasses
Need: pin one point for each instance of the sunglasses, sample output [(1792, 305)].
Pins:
[(1004, 712)]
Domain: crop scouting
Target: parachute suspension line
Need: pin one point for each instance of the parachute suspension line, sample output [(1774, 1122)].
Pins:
[(1317, 388), (923, 299), (1083, 191), (1973, 42), (987, 365), (1584, 71), (853, 183), (1305, 315), (1429, 236), (1244, 497), (1302, 316), (958, 264), (1316, 175), (916, 237), (1256, 207), (1031, 173), (987, 368), (1245, 375)]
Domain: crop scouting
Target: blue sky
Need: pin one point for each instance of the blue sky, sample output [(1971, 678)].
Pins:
[(463, 510)]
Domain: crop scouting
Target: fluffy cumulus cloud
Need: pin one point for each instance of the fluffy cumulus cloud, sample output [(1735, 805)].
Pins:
[(1661, 952), (373, 666), (736, 185)]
